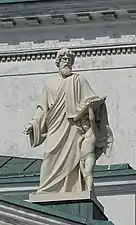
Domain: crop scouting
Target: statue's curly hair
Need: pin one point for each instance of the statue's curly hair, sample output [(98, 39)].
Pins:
[(61, 53)]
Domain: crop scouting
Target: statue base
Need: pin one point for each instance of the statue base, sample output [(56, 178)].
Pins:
[(78, 203)]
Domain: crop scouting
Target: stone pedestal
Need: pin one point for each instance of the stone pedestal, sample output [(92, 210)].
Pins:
[(78, 204)]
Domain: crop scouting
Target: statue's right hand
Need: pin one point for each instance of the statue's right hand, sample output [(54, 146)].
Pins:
[(28, 129)]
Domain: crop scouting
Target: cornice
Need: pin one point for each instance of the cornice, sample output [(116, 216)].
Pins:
[(111, 190), (101, 189), (31, 7), (30, 19), (29, 51)]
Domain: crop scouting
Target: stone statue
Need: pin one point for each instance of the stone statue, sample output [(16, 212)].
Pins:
[(74, 123)]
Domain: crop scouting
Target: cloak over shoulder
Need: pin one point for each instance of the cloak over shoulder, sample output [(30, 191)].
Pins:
[(54, 124)]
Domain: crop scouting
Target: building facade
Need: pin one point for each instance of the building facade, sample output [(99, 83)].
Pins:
[(103, 38)]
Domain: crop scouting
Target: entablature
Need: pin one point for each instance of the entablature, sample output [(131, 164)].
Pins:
[(29, 51)]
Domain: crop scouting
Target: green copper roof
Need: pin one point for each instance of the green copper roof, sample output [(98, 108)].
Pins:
[(15, 169), (14, 165), (78, 216), (43, 209), (17, 165)]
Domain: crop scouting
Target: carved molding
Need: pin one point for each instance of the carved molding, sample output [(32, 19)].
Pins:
[(25, 7), (91, 17), (102, 188), (29, 51), (105, 41)]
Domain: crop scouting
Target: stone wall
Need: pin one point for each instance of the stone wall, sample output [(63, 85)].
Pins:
[(120, 209), (21, 83)]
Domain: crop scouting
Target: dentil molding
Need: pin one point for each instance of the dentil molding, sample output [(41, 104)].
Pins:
[(26, 51)]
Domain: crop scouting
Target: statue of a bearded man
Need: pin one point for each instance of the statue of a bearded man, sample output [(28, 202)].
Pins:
[(74, 123)]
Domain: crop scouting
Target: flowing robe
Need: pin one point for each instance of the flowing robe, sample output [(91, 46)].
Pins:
[(54, 124)]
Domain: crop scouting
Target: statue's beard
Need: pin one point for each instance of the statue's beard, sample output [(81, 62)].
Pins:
[(65, 71)]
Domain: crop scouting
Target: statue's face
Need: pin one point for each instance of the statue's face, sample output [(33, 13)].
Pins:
[(85, 123), (65, 66)]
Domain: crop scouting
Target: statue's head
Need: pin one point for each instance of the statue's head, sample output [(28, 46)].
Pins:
[(64, 61)]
